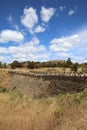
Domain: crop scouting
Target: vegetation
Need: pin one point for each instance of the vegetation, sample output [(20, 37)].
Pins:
[(69, 62), (3, 90), (31, 65), (48, 64), (74, 67), (65, 111), (15, 64), (3, 65)]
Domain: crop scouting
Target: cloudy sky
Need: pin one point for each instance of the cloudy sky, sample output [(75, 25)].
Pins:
[(41, 30)]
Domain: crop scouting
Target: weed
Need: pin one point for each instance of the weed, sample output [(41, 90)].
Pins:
[(59, 112), (3, 90)]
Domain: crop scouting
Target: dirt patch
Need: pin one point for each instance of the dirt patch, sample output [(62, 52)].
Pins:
[(41, 84)]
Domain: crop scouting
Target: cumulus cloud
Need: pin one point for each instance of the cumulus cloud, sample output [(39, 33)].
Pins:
[(47, 13), (39, 29), (29, 18), (10, 35), (32, 50), (64, 43), (80, 49), (74, 46)]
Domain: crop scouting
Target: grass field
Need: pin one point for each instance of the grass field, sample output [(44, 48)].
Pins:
[(63, 112)]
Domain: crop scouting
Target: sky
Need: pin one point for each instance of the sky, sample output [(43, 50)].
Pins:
[(43, 30)]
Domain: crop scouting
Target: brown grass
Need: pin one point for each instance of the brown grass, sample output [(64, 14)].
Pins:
[(25, 115), (4, 78), (64, 112)]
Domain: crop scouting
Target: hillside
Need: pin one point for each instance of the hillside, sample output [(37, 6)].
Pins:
[(32, 100), (42, 82)]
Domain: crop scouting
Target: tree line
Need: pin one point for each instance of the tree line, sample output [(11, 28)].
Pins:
[(32, 65), (62, 64)]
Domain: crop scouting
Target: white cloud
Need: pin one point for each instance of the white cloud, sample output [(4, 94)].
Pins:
[(71, 12), (64, 55), (3, 50), (10, 35), (39, 29), (62, 8), (29, 18), (3, 58), (31, 50), (74, 46), (47, 13), (64, 43)]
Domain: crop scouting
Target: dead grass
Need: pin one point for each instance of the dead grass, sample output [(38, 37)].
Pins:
[(56, 69), (64, 112), (4, 78), (25, 114)]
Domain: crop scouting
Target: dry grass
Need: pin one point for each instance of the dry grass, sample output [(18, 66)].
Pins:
[(4, 78), (25, 114), (64, 112), (56, 69)]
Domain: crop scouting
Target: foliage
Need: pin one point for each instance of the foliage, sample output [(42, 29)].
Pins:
[(2, 89), (59, 111), (15, 64), (69, 62), (31, 65), (47, 64), (74, 67)]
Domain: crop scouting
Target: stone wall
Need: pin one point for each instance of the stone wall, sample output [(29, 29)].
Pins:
[(45, 84)]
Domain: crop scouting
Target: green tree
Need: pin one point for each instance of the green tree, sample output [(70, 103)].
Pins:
[(31, 65), (69, 62), (75, 67), (15, 64)]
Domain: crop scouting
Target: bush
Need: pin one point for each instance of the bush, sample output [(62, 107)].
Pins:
[(69, 62), (59, 112), (74, 67), (15, 64), (2, 89), (31, 65)]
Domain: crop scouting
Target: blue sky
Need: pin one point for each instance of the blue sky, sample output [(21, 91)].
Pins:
[(41, 30)]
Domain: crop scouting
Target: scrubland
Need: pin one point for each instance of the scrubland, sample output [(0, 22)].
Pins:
[(62, 112)]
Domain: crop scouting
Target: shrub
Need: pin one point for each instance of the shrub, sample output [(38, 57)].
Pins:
[(74, 67), (2, 89), (15, 64), (59, 112)]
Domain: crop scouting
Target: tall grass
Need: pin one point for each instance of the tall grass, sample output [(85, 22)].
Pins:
[(63, 112)]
